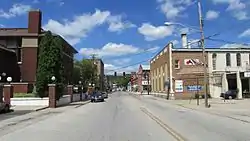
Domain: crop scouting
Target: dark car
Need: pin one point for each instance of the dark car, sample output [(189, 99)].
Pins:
[(97, 97), (105, 94), (231, 94)]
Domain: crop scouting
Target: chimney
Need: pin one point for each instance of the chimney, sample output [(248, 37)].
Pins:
[(184, 40), (35, 20)]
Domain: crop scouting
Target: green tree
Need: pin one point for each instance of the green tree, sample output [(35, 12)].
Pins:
[(77, 72), (50, 64)]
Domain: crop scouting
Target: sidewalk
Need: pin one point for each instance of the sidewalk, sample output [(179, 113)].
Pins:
[(17, 122), (234, 109)]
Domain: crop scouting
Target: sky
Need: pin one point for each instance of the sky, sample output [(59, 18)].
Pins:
[(126, 33)]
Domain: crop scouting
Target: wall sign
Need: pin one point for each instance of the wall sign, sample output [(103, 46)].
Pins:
[(192, 62), (178, 86), (194, 88)]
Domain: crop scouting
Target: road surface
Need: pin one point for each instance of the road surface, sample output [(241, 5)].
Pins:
[(127, 118)]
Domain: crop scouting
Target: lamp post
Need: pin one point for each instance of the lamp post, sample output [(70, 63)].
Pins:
[(53, 78), (81, 89)]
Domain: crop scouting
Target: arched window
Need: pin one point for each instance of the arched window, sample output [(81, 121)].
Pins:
[(228, 59), (238, 59), (214, 60)]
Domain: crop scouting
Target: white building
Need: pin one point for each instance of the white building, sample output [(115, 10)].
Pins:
[(228, 69)]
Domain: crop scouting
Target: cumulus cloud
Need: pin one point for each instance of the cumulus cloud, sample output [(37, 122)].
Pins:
[(111, 49), (15, 10), (74, 30), (211, 15), (236, 7), (245, 33), (173, 8), (152, 33)]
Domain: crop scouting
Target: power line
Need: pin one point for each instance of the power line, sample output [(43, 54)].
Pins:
[(228, 42), (128, 66)]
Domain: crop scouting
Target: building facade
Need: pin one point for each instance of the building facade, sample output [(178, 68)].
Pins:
[(25, 42), (180, 72), (100, 74)]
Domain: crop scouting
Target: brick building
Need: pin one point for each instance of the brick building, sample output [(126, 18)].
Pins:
[(178, 72), (23, 44), (100, 74)]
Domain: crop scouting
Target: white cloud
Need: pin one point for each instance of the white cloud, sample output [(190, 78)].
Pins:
[(74, 30), (173, 8), (122, 61), (152, 33), (15, 10), (234, 46), (236, 7), (117, 25), (111, 68), (240, 15), (1, 25), (110, 49), (245, 33), (210, 15), (175, 42)]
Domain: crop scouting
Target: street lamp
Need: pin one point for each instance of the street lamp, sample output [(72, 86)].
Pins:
[(180, 24), (9, 79), (53, 78), (81, 89)]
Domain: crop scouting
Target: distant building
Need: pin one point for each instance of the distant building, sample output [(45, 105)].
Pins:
[(100, 74), (19, 48)]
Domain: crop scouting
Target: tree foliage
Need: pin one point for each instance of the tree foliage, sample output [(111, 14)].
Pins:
[(123, 81), (50, 64), (85, 71)]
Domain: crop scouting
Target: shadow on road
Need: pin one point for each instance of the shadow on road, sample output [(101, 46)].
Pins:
[(13, 113)]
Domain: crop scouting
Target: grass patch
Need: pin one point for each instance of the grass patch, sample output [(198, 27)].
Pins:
[(23, 95)]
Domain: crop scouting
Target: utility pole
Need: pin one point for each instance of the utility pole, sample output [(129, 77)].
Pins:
[(203, 53)]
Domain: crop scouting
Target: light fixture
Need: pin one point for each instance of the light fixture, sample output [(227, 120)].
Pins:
[(9, 79), (53, 78)]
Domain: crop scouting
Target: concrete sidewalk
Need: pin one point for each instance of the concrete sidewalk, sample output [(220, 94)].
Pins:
[(17, 122)]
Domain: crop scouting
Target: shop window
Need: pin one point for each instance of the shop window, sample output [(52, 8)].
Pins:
[(177, 64), (238, 59), (228, 59)]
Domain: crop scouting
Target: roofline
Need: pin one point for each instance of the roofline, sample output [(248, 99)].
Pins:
[(159, 52)]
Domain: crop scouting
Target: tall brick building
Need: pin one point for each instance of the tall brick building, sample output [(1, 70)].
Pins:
[(21, 47)]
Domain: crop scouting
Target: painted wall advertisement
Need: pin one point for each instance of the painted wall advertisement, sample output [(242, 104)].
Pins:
[(179, 86)]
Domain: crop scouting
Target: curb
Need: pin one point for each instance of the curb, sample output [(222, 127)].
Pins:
[(40, 109), (82, 104)]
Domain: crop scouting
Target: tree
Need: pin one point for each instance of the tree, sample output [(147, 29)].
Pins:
[(76, 72), (50, 64)]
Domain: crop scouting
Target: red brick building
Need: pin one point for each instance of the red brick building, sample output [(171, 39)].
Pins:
[(20, 45)]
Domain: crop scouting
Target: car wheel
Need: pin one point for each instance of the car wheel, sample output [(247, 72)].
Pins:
[(7, 108)]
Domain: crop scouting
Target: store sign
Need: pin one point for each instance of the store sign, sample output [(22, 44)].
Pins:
[(145, 82), (194, 88), (178, 86), (246, 74)]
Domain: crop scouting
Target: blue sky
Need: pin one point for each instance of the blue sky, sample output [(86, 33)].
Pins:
[(124, 32)]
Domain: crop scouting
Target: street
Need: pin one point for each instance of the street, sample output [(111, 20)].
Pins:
[(125, 117)]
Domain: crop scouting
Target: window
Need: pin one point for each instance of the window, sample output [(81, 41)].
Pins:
[(238, 59), (228, 59), (214, 60), (177, 64)]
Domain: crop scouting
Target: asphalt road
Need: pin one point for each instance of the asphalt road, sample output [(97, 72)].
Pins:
[(126, 118)]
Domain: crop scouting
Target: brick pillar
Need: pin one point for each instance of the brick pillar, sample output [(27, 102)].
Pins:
[(7, 93), (70, 92), (52, 95)]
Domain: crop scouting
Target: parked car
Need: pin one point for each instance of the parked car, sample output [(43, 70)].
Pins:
[(105, 94), (4, 107), (95, 97), (231, 94)]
